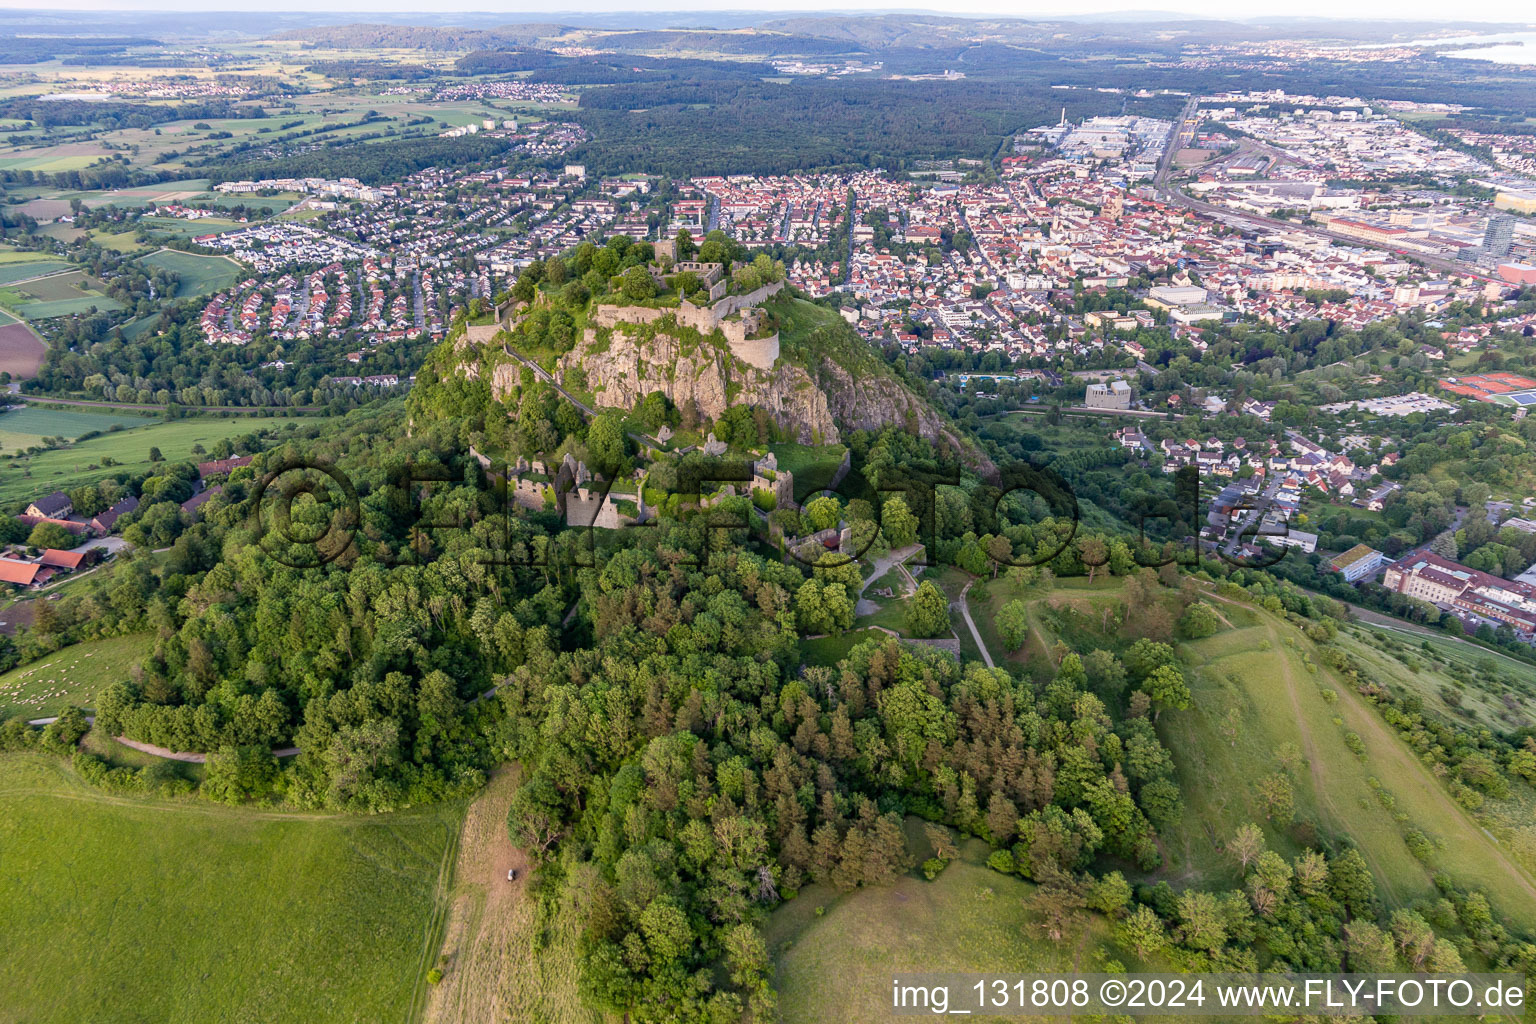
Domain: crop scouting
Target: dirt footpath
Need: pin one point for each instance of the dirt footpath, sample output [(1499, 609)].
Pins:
[(479, 947)]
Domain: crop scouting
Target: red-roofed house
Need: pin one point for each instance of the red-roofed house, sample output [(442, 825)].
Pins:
[(62, 559), (19, 573), (218, 466)]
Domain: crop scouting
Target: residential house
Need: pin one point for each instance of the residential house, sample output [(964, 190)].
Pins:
[(54, 506)]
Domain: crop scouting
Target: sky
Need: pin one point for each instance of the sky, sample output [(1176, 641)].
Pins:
[(1434, 10)]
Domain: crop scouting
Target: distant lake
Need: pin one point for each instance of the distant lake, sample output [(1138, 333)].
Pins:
[(1498, 47)]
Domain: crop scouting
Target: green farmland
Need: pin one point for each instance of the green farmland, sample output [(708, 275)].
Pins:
[(144, 909), (27, 425), (82, 463), (11, 272)]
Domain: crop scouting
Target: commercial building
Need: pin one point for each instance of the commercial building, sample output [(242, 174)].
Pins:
[(1358, 563), (1114, 395), (1440, 581), (1498, 237)]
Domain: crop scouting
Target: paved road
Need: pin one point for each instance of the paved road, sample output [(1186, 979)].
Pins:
[(1183, 131), (853, 222), (997, 279), (1260, 505), (191, 409)]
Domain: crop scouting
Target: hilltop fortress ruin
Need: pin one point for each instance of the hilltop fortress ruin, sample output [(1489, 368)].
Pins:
[(737, 317)]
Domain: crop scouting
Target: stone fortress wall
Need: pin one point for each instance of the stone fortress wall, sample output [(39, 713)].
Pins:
[(760, 352)]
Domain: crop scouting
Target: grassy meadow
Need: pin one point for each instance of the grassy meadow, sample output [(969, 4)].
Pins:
[(26, 425), (73, 675), (500, 961), (142, 909), (1264, 706), (24, 478), (969, 918), (198, 275), (57, 294)]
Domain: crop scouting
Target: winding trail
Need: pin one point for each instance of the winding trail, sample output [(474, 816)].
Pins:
[(965, 610), (187, 756)]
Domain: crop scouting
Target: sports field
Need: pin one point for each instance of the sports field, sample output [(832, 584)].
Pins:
[(126, 908)]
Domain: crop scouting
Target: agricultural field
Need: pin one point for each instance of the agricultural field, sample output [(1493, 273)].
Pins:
[(106, 917), (26, 425), (23, 479), (198, 275), (64, 156), (56, 295), (157, 226), (120, 241), (73, 675), (12, 271), (21, 350)]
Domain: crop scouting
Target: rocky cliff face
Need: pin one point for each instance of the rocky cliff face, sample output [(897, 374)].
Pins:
[(879, 402), (817, 401), (631, 367)]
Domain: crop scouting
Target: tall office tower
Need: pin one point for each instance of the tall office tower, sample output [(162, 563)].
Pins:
[(1499, 236)]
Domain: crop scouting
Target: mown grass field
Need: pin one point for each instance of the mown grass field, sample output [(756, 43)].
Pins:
[(829, 650), (499, 961), (140, 909), (63, 468), (813, 466), (197, 275), (73, 675)]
